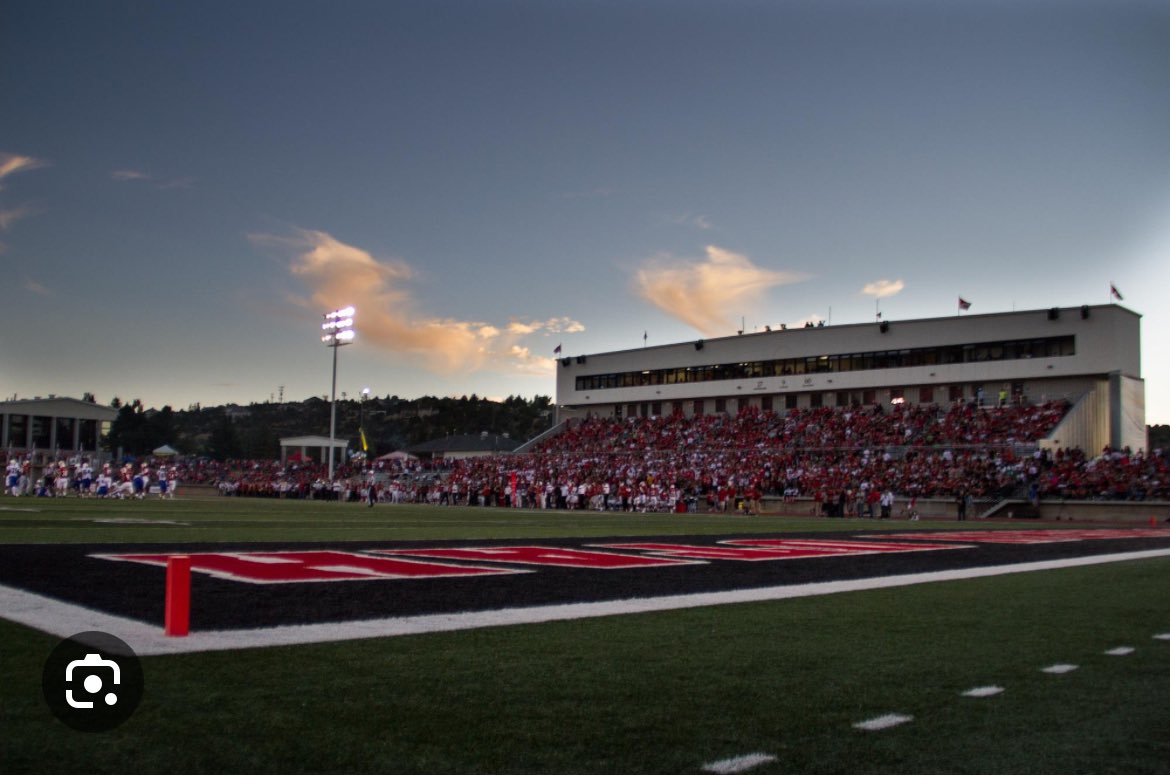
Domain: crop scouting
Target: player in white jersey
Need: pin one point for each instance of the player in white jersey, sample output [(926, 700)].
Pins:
[(142, 482), (12, 480)]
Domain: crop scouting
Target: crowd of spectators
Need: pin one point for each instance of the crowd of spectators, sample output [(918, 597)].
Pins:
[(848, 460)]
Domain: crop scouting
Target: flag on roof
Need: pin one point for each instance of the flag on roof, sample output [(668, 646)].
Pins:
[(1114, 292), (557, 351), (964, 305)]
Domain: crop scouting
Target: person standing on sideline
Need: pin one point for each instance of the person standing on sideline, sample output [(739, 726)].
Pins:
[(371, 493)]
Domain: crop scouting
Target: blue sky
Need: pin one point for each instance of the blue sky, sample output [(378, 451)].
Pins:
[(185, 188)]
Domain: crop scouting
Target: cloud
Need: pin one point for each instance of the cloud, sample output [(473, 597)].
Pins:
[(698, 221), (15, 163), (181, 183), (554, 325), (130, 175), (338, 274), (883, 288), (9, 217), (704, 293), (36, 287)]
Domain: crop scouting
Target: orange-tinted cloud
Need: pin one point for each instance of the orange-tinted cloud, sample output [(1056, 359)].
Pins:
[(706, 294), (15, 163), (338, 274)]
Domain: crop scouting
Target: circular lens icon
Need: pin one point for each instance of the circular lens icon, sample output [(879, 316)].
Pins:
[(92, 681)]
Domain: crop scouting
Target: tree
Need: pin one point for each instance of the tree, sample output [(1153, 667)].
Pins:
[(224, 443)]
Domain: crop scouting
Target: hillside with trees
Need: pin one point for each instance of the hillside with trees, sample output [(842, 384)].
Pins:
[(254, 431)]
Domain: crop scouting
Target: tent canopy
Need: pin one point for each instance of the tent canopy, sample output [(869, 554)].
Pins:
[(396, 455)]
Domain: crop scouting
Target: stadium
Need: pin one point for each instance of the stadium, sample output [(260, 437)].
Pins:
[(651, 586)]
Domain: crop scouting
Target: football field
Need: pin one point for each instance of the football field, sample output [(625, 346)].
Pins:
[(340, 638)]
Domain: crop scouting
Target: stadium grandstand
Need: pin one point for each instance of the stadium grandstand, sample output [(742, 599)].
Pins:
[(1086, 356)]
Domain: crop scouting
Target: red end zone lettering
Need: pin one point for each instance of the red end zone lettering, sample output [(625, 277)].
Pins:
[(544, 556), (270, 568)]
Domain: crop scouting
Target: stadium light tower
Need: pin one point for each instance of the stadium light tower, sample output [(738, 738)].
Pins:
[(338, 327)]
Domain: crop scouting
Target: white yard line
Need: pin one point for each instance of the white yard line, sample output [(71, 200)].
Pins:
[(63, 619), (1059, 669), (1119, 651), (883, 722), (983, 692), (731, 766)]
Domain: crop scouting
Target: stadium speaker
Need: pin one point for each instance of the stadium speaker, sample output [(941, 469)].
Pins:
[(698, 345), (1084, 312), (580, 359), (885, 326), (1054, 313), (566, 361)]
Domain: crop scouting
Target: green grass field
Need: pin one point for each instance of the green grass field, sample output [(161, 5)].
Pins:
[(664, 692)]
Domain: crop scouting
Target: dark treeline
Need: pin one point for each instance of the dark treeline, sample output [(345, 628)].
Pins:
[(254, 431)]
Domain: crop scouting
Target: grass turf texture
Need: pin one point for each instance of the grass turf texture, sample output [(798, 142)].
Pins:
[(664, 692), (72, 520)]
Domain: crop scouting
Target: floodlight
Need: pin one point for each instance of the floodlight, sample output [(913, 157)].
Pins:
[(338, 327)]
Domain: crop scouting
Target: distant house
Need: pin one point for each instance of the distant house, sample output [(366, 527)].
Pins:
[(464, 446)]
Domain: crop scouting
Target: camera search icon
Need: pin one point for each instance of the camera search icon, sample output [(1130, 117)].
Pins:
[(92, 682)]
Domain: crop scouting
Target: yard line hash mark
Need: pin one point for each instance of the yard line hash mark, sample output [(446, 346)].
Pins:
[(731, 766), (881, 722)]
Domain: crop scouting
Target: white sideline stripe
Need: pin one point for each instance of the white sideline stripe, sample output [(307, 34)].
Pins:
[(1059, 669), (731, 766), (985, 691), (62, 619), (883, 722), (1119, 651)]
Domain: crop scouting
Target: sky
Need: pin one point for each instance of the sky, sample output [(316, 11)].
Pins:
[(187, 187)]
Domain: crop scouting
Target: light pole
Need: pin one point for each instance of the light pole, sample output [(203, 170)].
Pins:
[(362, 422), (338, 327)]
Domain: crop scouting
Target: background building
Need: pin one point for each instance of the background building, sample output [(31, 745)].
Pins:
[(54, 426), (1087, 355)]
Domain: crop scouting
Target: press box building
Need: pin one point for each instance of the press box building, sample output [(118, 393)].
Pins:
[(1088, 355)]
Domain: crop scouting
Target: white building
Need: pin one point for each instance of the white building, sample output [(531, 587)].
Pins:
[(52, 426), (1088, 355)]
